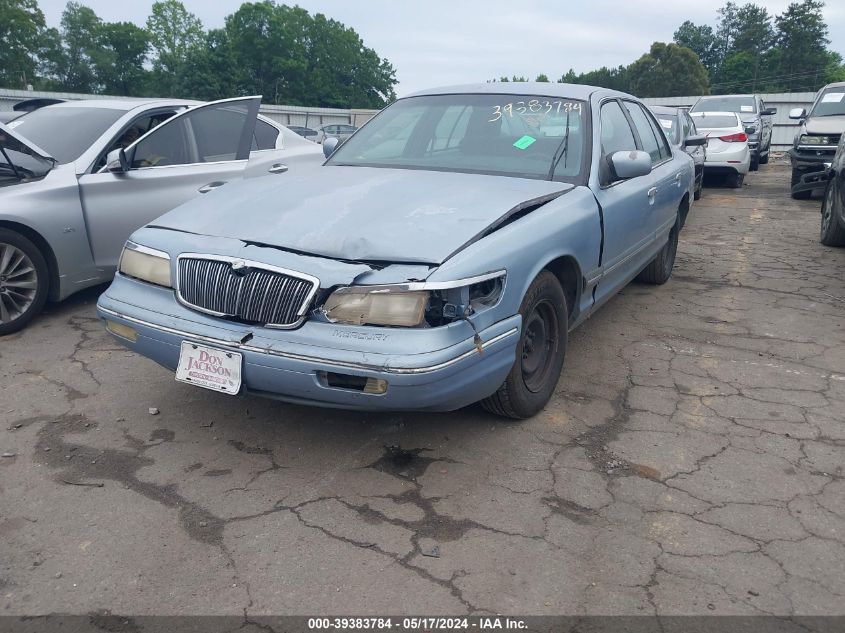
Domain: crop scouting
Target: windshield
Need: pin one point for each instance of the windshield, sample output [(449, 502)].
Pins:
[(831, 103), (18, 163), (509, 135), (714, 121), (65, 133), (669, 123), (743, 105)]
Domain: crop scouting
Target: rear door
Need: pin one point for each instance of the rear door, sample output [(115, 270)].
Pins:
[(667, 173), (192, 153)]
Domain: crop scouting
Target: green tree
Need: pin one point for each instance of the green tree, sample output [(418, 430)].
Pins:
[(803, 61), (542, 78), (120, 57), (668, 70), (71, 54), (173, 31), (21, 38), (701, 40), (208, 72)]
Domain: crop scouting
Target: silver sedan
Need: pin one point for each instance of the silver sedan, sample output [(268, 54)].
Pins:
[(77, 178)]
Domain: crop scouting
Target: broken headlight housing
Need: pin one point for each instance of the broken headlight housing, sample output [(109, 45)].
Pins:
[(414, 304), (146, 264)]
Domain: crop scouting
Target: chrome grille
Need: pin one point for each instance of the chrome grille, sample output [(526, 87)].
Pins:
[(244, 290)]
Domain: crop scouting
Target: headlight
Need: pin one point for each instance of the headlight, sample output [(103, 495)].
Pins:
[(415, 304), (807, 139), (146, 264), (364, 306)]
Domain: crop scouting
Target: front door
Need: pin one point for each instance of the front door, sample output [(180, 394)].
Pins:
[(190, 154)]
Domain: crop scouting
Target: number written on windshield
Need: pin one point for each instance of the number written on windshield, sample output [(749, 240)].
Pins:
[(533, 106)]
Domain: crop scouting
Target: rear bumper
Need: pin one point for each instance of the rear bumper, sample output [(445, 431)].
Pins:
[(283, 365)]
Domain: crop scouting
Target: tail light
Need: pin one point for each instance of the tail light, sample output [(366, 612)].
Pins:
[(739, 137)]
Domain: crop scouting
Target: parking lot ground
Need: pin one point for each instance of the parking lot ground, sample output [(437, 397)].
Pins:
[(690, 462)]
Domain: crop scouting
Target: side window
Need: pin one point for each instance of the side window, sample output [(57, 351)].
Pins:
[(645, 130), (692, 130), (616, 134), (662, 143), (167, 146), (685, 123), (136, 130), (265, 136), (208, 133)]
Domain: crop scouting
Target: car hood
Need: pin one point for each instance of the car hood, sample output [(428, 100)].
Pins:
[(825, 125), (361, 213)]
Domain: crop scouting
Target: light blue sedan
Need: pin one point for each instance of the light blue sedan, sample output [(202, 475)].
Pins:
[(440, 256)]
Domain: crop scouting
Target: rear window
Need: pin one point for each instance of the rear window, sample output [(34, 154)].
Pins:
[(65, 133), (715, 120), (742, 105), (669, 123)]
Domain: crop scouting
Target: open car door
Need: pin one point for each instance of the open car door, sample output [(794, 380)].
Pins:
[(190, 154)]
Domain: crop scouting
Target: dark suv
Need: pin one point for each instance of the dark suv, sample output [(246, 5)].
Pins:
[(756, 117), (818, 135)]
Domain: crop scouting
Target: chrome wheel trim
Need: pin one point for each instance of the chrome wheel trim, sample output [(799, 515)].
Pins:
[(18, 283)]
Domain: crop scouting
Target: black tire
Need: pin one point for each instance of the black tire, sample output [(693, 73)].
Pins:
[(13, 293), (696, 194), (660, 269), (755, 163), (736, 181), (764, 158), (536, 370), (832, 233), (800, 195)]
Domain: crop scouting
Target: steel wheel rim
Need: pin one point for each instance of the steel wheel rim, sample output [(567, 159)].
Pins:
[(539, 345), (18, 283), (827, 210)]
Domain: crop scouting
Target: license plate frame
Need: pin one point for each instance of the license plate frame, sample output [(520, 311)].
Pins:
[(210, 368)]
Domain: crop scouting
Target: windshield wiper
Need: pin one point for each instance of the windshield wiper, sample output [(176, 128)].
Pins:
[(560, 152)]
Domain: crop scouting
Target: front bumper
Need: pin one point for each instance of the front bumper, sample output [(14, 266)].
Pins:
[(812, 166), (440, 369)]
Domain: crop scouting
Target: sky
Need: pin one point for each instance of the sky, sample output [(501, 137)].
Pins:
[(442, 42)]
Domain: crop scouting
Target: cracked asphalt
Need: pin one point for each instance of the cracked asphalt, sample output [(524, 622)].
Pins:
[(690, 462)]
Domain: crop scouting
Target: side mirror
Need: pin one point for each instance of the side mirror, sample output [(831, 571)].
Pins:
[(630, 164), (116, 161), (769, 111), (750, 129), (797, 113), (330, 145), (695, 141)]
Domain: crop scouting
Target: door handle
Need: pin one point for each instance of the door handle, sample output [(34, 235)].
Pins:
[(652, 192), (278, 168), (211, 185), (678, 179)]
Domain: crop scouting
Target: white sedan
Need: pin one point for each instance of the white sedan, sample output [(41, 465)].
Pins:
[(727, 144)]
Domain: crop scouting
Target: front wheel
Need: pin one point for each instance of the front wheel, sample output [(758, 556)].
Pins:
[(755, 163), (540, 352), (737, 180), (23, 281), (832, 232)]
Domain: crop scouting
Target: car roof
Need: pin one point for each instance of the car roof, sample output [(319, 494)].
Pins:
[(836, 84), (120, 104), (570, 91), (723, 96)]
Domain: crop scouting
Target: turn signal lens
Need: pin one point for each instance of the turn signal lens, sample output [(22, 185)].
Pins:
[(739, 137), (123, 331)]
